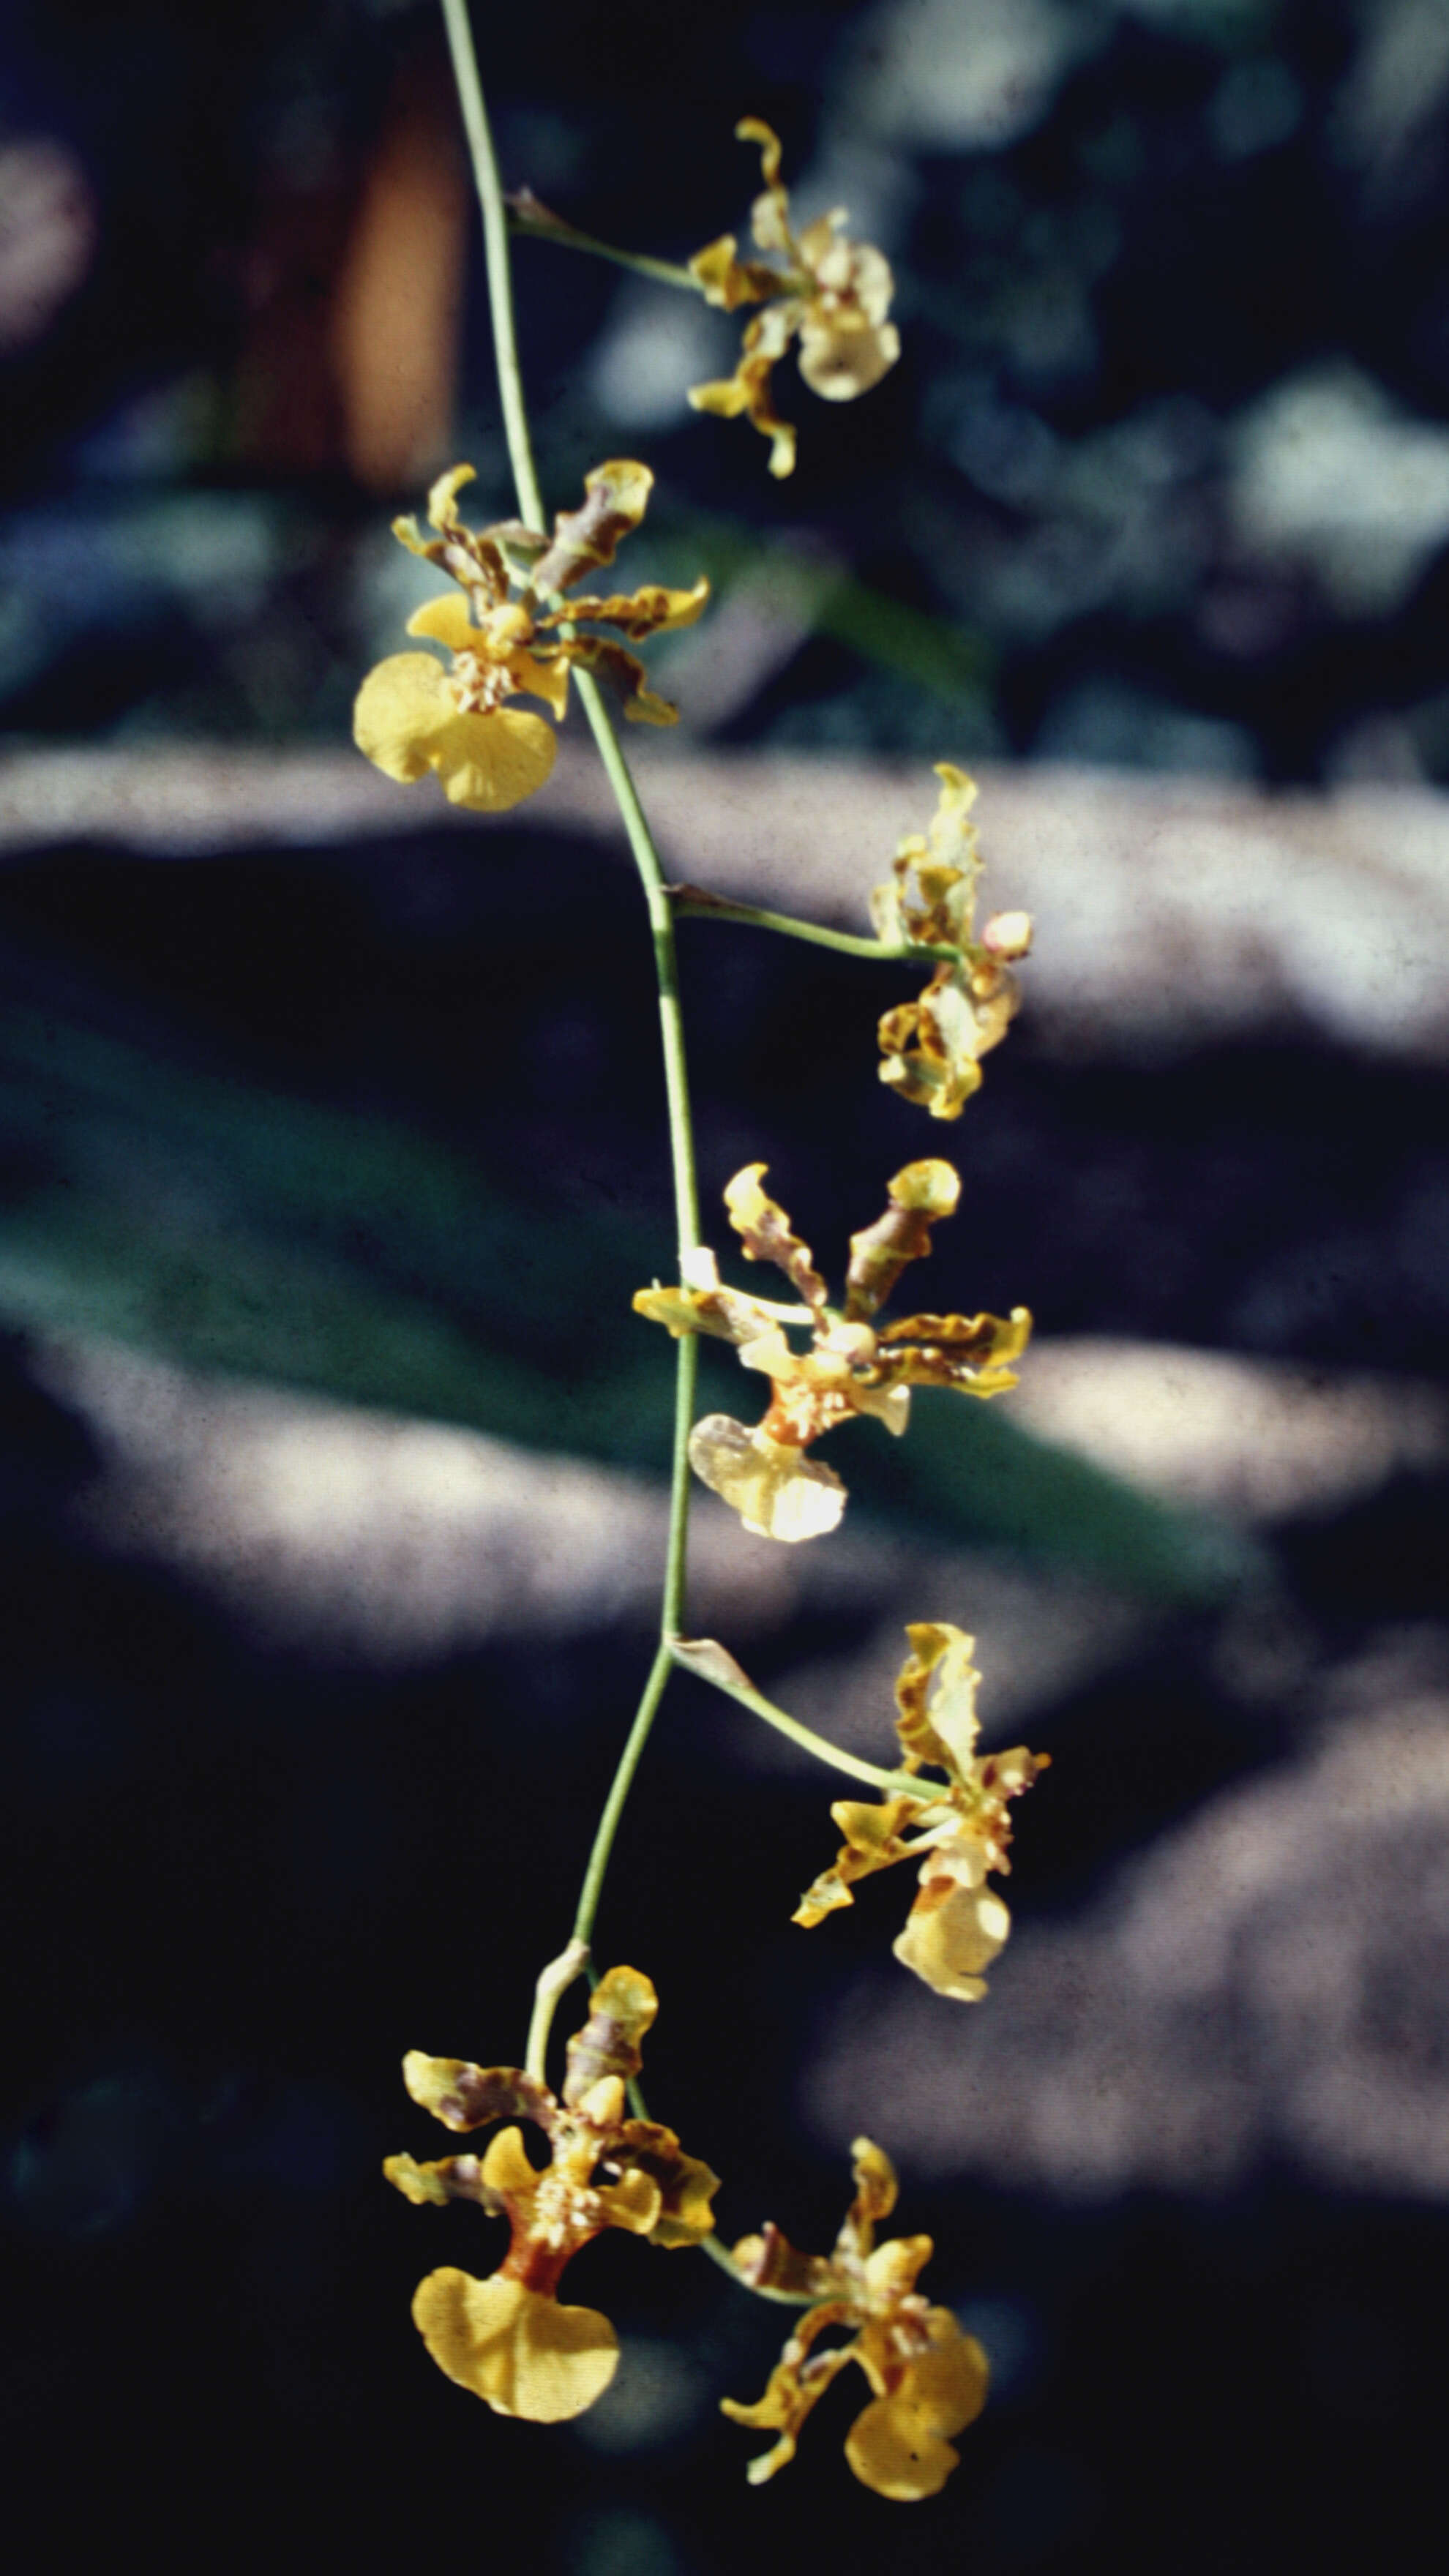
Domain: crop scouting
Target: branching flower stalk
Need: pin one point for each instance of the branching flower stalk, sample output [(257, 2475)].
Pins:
[(516, 624), (832, 297)]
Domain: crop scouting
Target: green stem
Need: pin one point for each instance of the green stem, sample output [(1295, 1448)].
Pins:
[(893, 1782), (694, 905), (539, 224), (619, 1787), (666, 963), (661, 923), (495, 247)]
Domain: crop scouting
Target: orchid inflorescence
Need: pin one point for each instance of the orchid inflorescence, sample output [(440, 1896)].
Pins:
[(515, 624)]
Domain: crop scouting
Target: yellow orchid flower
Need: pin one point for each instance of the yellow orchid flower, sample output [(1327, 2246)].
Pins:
[(851, 1366), (957, 1924), (928, 2379), (833, 296), (414, 714), (506, 2338), (933, 1046)]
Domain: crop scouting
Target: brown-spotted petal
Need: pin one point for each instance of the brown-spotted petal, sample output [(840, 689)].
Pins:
[(920, 1195), (975, 1354), (633, 2203), (652, 610), (770, 2262), (622, 2008), (726, 1312), (449, 2178), (686, 2184), (795, 2386), (764, 1230), (464, 2096), (936, 1696), (932, 1047), (616, 496), (514, 2347), (688, 2188), (642, 705)]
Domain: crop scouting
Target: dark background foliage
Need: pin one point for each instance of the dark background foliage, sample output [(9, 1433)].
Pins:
[(285, 1113)]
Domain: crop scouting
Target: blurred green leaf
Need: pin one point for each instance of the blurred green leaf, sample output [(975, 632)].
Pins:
[(239, 1229), (953, 662)]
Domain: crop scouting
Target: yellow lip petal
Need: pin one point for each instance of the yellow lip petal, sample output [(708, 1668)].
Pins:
[(952, 1932), (490, 762), (517, 2350), (777, 1492), (895, 2455), (400, 708)]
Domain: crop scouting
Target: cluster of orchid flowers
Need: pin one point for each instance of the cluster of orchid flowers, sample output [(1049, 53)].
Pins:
[(508, 2338), (516, 624)]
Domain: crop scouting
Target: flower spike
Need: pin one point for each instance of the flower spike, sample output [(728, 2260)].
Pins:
[(413, 715), (851, 1367), (506, 2338), (833, 295), (928, 2379)]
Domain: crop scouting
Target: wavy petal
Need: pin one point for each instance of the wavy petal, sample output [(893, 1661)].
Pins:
[(464, 2096), (616, 496), (920, 1195), (449, 2178), (652, 610), (936, 1697), (623, 2007), (764, 1230)]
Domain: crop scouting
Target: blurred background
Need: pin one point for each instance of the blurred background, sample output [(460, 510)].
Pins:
[(332, 1148)]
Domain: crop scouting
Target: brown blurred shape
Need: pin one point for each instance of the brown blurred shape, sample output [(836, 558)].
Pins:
[(355, 285), (395, 315)]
